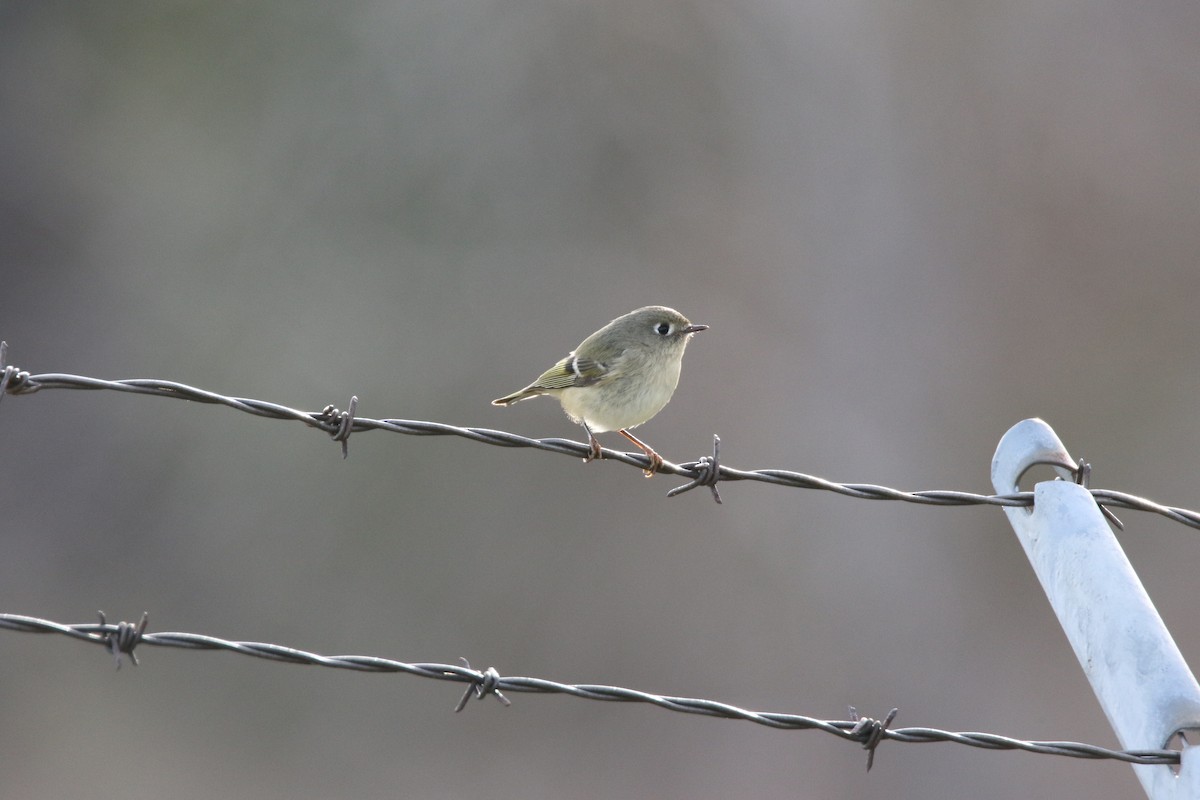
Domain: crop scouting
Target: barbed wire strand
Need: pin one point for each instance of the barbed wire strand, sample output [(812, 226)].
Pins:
[(124, 637), (707, 471)]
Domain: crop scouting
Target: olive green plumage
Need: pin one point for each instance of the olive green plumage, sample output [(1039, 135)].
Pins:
[(620, 376)]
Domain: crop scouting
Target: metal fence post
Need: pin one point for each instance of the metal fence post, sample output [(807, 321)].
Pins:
[(1135, 668)]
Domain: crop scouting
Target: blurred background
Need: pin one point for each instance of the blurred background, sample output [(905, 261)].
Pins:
[(909, 225)]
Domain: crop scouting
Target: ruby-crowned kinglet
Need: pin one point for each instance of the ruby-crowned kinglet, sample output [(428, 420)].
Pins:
[(620, 376)]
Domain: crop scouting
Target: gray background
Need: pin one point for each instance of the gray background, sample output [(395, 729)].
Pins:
[(909, 226)]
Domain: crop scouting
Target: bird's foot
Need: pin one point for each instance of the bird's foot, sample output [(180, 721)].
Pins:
[(656, 461)]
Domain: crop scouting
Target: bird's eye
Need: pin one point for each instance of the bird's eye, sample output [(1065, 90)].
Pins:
[(662, 328)]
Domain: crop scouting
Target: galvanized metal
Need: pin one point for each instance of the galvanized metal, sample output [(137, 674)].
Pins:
[(1127, 653)]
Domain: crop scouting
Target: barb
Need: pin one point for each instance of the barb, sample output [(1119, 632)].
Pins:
[(865, 731), (704, 472), (871, 731), (708, 473), (488, 683), (1083, 477), (344, 420), (11, 379), (126, 637)]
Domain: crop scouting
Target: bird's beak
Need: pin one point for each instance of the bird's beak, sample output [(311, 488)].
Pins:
[(695, 328)]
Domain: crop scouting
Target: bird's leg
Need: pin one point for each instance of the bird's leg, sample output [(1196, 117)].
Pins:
[(594, 443), (656, 460)]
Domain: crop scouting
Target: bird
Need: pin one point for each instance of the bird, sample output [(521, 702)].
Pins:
[(619, 377)]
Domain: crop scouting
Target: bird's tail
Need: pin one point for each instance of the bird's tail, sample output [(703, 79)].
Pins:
[(515, 397)]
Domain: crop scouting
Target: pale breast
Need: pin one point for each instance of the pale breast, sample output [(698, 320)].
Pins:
[(624, 402)]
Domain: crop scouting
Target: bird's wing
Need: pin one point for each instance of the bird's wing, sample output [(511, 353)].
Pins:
[(573, 372)]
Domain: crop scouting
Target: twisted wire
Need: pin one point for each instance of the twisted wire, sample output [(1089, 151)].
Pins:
[(706, 471), (868, 732)]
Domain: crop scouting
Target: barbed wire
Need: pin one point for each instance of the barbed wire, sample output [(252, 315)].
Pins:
[(122, 638), (706, 471)]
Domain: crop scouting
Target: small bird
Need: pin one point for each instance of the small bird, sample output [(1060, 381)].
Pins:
[(619, 377)]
